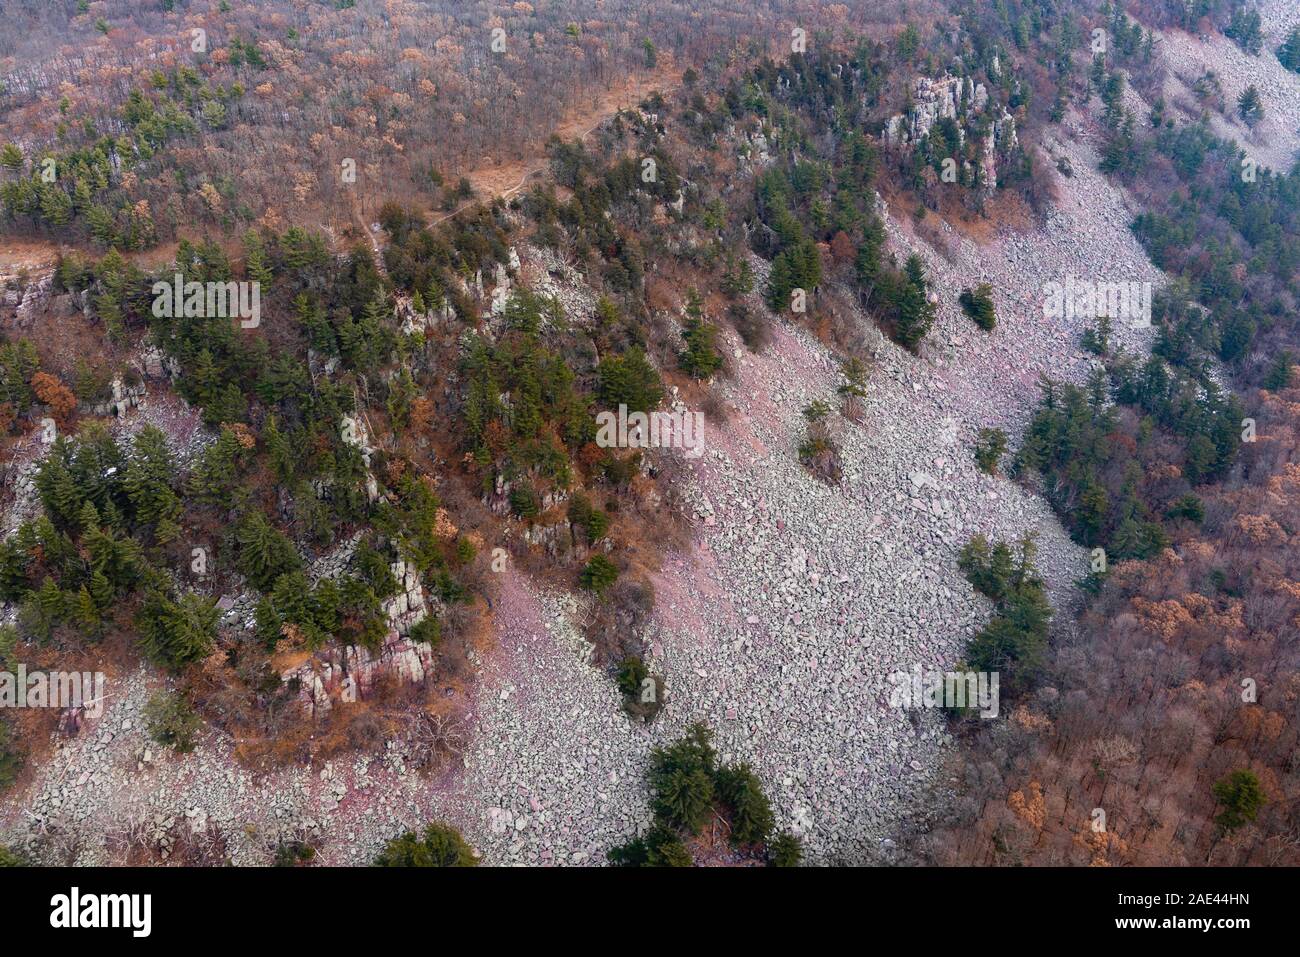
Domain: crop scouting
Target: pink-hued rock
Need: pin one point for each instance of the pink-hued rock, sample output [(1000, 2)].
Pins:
[(348, 673)]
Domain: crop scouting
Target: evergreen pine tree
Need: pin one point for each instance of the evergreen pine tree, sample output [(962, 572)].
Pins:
[(255, 260), (177, 633), (915, 315), (1249, 106), (149, 472), (263, 554), (1289, 52)]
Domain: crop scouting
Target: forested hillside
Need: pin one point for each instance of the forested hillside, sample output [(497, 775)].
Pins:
[(1174, 711), (185, 117), (371, 521)]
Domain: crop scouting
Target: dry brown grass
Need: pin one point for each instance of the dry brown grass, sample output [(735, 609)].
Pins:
[(1005, 211)]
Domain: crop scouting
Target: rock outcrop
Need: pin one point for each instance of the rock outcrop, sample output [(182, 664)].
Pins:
[(965, 102), (348, 673)]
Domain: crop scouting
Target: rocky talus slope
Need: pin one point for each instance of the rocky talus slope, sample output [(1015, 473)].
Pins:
[(778, 627)]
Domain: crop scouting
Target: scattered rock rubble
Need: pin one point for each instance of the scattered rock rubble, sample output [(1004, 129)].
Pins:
[(779, 628)]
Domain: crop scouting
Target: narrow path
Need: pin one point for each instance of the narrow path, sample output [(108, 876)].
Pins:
[(528, 173), (378, 251), (664, 82)]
